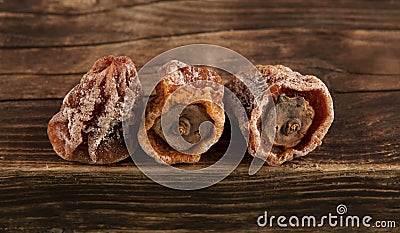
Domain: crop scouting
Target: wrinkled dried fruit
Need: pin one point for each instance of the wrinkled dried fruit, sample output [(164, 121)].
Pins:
[(88, 127), (303, 112), (202, 84)]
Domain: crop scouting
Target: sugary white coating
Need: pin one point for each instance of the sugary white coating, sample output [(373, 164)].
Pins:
[(88, 127), (275, 81)]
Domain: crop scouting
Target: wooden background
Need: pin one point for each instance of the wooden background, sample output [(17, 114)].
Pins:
[(353, 46)]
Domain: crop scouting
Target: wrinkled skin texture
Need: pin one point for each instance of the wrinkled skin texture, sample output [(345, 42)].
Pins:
[(295, 136), (199, 84), (88, 127)]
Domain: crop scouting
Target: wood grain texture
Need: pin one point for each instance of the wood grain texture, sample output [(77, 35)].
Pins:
[(110, 200), (93, 22), (353, 46), (354, 51), (347, 60)]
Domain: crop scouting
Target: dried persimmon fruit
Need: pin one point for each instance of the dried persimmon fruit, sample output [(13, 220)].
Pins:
[(88, 127), (301, 118), (198, 83)]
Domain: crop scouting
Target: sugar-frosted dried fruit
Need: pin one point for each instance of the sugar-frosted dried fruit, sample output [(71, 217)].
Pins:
[(88, 127), (200, 84), (303, 112)]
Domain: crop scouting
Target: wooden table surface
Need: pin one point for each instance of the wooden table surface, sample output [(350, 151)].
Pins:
[(353, 46)]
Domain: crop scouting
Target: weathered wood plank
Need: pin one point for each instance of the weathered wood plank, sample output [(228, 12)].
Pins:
[(71, 23), (18, 87), (72, 7), (76, 7), (349, 82), (116, 200), (347, 60), (355, 51), (365, 133)]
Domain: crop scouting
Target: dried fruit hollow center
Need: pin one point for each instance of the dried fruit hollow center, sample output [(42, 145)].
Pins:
[(294, 116), (188, 127)]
